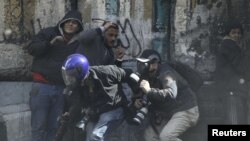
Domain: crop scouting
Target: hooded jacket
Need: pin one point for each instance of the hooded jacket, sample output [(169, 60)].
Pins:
[(48, 58)]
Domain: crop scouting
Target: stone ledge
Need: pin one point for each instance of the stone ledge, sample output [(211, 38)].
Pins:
[(10, 109), (14, 111), (15, 126), (13, 93)]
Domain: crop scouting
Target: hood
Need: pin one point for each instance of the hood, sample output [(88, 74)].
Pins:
[(75, 15)]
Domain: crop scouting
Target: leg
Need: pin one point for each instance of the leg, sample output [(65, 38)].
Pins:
[(39, 105), (149, 134), (106, 123), (56, 109), (178, 124), (235, 109)]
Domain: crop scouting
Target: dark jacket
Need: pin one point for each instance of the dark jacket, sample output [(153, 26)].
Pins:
[(94, 48), (101, 90), (162, 96), (48, 59), (232, 65)]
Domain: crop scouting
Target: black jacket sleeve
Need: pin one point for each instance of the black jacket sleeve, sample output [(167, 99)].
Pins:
[(239, 61), (88, 36), (40, 44)]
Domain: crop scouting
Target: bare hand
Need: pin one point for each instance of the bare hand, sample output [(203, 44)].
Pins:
[(57, 39), (144, 85), (119, 52), (108, 25), (138, 103)]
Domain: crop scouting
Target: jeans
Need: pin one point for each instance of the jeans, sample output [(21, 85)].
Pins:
[(106, 123), (171, 130), (46, 104)]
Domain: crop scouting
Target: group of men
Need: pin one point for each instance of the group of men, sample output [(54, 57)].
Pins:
[(81, 64)]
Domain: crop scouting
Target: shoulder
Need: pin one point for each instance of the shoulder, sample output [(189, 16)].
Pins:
[(105, 68), (228, 44), (49, 31), (166, 68)]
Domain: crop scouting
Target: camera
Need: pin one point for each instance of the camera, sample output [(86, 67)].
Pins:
[(142, 112), (136, 77)]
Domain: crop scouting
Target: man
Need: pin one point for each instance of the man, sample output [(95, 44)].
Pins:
[(50, 47), (232, 75), (97, 88), (97, 44), (171, 103)]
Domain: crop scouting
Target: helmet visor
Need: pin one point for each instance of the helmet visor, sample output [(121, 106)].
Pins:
[(68, 77)]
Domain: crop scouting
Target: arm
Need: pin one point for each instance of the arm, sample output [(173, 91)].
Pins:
[(169, 89), (89, 36), (40, 44)]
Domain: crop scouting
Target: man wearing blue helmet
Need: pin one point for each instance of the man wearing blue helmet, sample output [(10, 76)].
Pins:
[(95, 87)]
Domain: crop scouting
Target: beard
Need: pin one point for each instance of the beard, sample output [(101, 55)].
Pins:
[(152, 73), (109, 43)]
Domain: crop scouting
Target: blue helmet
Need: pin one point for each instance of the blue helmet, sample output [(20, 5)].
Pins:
[(74, 69)]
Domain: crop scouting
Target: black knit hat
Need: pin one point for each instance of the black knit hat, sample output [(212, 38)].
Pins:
[(233, 24), (151, 55)]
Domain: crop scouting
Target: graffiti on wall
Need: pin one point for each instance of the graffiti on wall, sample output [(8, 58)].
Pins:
[(125, 27)]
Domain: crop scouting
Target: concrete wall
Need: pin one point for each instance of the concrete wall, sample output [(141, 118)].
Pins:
[(194, 38), (14, 111), (45, 17), (2, 17)]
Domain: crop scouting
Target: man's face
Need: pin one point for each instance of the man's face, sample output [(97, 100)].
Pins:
[(153, 67), (110, 36), (71, 27), (119, 52), (235, 34)]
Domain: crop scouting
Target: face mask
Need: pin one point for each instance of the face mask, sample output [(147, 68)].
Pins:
[(69, 79)]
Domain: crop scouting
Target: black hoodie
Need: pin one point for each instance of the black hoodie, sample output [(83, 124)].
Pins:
[(48, 58)]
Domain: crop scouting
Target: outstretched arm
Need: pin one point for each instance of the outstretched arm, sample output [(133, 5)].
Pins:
[(169, 89)]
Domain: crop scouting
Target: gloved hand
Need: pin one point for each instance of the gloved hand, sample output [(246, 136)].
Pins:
[(64, 118)]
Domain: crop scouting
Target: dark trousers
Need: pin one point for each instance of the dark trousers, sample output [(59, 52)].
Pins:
[(46, 104), (235, 108)]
